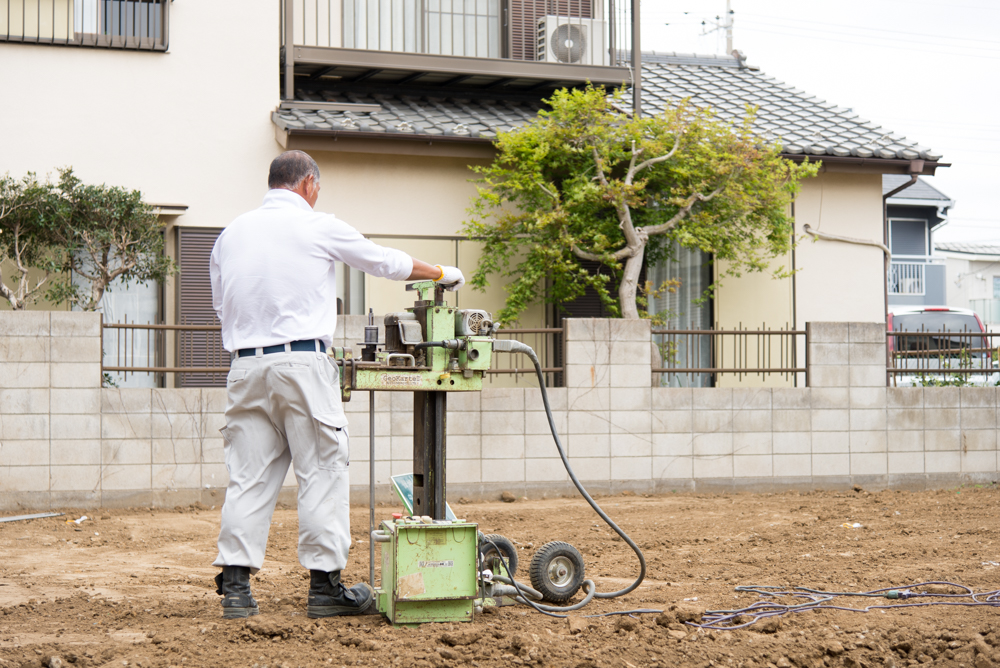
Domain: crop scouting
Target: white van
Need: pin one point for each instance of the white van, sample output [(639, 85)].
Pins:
[(939, 337)]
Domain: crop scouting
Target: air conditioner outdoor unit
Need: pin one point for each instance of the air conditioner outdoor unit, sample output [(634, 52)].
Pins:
[(568, 39)]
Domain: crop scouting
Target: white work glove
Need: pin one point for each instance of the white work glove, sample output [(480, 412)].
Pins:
[(451, 277)]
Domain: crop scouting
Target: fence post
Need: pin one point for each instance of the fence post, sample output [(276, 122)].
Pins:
[(808, 339)]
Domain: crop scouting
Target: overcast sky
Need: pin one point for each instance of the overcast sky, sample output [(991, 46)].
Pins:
[(925, 69)]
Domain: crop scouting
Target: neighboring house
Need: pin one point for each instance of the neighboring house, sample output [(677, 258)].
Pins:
[(916, 274), (833, 280), (395, 108), (973, 278)]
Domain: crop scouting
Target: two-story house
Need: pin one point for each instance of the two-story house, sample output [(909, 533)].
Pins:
[(914, 214), (189, 101), (973, 277)]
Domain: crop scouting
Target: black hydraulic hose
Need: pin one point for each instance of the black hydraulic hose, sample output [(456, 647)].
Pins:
[(450, 344), (522, 598), (518, 347)]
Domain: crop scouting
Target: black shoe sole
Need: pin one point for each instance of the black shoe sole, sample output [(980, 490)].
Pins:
[(239, 613), (319, 611)]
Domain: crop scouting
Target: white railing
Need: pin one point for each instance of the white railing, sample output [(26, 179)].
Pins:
[(906, 278)]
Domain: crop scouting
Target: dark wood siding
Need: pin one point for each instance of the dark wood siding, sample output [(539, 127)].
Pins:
[(524, 15), (198, 349)]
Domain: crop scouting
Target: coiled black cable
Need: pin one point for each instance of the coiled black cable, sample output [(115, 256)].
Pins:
[(518, 347)]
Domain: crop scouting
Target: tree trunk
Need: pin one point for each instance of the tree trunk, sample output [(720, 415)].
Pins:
[(96, 293), (630, 284)]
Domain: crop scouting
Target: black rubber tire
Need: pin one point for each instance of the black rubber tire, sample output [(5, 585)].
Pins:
[(557, 571), (508, 553)]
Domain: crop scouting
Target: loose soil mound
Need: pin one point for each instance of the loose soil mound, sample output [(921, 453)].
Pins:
[(134, 588)]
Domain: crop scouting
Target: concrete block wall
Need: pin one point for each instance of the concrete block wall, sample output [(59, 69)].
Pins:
[(65, 441)]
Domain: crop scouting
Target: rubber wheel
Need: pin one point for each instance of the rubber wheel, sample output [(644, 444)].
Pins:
[(491, 559), (557, 571)]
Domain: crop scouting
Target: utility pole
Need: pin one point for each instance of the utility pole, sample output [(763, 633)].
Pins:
[(636, 61), (729, 28), (722, 24)]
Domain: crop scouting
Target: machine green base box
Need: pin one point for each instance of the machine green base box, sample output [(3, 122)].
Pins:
[(428, 571)]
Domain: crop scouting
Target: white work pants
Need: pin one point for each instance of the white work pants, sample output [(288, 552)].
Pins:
[(284, 408)]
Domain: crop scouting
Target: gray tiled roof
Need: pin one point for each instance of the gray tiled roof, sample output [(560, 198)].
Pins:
[(919, 190), (965, 247), (406, 114), (801, 122)]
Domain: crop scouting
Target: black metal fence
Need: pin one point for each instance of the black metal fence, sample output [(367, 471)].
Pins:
[(119, 24), (699, 358), (944, 357), (140, 348)]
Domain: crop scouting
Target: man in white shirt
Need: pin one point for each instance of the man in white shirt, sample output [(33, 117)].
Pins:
[(274, 289)]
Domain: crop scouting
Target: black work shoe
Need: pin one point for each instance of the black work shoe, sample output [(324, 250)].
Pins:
[(329, 598), (233, 584)]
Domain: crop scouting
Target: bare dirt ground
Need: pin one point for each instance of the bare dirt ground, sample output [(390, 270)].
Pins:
[(134, 588)]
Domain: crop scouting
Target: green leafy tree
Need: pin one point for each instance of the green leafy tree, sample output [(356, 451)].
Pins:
[(28, 209), (586, 181), (108, 234)]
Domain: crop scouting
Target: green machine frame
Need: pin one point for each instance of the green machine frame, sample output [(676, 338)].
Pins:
[(429, 564)]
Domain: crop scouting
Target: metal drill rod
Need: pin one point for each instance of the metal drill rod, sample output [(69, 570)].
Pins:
[(440, 406), (371, 488)]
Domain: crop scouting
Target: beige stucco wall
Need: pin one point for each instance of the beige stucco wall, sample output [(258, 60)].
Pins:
[(191, 126), (836, 281), (417, 204), (400, 195), (755, 301)]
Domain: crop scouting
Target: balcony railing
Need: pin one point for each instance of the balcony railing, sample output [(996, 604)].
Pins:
[(121, 24), (586, 32), (908, 275)]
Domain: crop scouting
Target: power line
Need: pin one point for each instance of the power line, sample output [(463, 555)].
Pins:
[(857, 27), (889, 41), (843, 41), (985, 126)]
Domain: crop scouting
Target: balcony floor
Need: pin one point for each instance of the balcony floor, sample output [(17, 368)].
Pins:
[(321, 65)]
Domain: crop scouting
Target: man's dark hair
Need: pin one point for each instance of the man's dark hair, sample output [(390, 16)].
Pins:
[(289, 168)]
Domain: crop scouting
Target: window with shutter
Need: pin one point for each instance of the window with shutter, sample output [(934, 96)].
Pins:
[(198, 349), (908, 236)]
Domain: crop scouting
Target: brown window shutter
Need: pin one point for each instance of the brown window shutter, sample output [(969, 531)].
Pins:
[(198, 349), (524, 15)]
